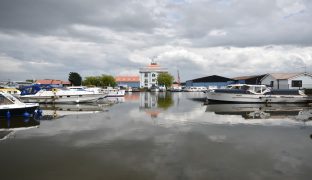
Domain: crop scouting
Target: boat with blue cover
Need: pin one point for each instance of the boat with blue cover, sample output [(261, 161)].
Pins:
[(48, 94), (245, 93)]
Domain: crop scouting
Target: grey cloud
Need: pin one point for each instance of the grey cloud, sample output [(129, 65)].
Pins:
[(46, 16), (96, 37)]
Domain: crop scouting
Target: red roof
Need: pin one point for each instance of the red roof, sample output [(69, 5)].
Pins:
[(51, 81), (127, 79)]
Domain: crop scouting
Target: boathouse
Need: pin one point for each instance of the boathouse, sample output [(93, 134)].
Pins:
[(211, 82), (288, 80), (128, 81), (149, 74)]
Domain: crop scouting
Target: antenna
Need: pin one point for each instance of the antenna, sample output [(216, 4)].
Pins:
[(304, 66), (153, 60)]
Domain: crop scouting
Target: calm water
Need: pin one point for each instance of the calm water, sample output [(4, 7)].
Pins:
[(162, 136)]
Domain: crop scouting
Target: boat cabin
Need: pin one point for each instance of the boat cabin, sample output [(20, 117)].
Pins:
[(255, 89)]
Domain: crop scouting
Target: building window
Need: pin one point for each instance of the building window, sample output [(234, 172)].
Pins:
[(145, 81), (153, 75), (145, 74), (153, 80), (272, 84), (296, 83)]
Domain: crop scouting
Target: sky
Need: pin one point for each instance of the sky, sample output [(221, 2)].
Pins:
[(47, 39)]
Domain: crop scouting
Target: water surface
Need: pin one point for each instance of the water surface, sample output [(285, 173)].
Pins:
[(159, 136)]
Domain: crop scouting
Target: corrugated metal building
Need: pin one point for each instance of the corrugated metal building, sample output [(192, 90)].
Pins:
[(128, 81), (211, 82)]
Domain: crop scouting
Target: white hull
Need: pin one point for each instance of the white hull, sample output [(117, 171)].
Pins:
[(254, 98), (61, 97), (116, 93)]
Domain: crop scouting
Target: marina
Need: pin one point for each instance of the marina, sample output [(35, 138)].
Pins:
[(165, 135), (156, 90)]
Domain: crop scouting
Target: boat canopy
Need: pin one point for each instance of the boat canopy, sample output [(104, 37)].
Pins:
[(33, 89), (257, 89)]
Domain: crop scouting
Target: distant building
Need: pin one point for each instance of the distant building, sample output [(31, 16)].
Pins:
[(53, 82), (149, 74), (256, 79), (288, 80), (15, 84), (212, 82), (128, 81)]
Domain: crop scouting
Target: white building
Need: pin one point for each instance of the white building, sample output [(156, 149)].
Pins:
[(288, 80), (149, 74)]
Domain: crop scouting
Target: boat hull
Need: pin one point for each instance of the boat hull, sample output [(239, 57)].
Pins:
[(116, 93), (254, 98), (18, 111), (61, 99)]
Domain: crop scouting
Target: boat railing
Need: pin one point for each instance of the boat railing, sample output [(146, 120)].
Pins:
[(283, 92), (232, 91)]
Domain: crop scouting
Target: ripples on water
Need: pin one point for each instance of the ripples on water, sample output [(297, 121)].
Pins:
[(159, 136)]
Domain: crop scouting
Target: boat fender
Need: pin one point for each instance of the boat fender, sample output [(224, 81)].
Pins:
[(39, 112), (8, 114), (26, 114)]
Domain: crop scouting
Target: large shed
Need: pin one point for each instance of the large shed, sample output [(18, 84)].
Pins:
[(211, 82)]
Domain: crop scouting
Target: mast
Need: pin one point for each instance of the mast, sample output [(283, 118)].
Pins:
[(178, 78)]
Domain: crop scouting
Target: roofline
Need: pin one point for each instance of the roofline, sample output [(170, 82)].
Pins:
[(298, 74)]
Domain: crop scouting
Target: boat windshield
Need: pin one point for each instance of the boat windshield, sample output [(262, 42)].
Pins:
[(4, 100), (251, 88)]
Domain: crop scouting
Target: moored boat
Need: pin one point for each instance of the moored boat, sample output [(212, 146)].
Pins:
[(244, 93), (59, 95), (114, 92), (10, 106), (195, 89), (13, 91)]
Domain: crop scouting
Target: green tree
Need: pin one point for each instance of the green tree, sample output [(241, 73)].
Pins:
[(75, 78), (92, 81), (165, 79), (100, 81), (107, 80)]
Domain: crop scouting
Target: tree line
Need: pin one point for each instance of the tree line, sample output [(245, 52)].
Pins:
[(164, 79), (99, 81)]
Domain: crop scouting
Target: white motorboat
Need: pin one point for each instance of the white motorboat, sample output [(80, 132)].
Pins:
[(114, 92), (10, 106), (60, 96), (154, 88), (195, 89), (244, 93), (15, 92)]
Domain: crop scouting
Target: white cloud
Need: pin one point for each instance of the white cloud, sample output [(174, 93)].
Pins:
[(10, 65), (217, 32), (197, 37)]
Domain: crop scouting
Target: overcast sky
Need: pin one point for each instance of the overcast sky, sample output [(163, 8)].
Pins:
[(50, 38)]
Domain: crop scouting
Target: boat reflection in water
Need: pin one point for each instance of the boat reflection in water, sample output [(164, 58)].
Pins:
[(8, 127), (297, 112), (51, 111)]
